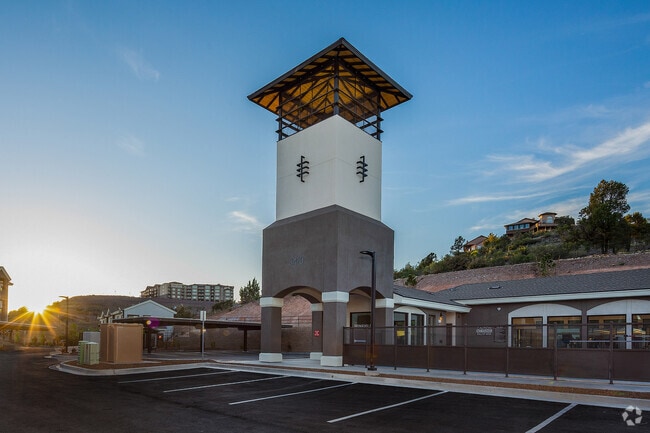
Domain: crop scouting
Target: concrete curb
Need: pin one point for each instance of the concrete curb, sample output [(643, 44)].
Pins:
[(557, 393), (81, 371)]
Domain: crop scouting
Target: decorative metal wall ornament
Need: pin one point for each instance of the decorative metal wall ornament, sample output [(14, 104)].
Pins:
[(303, 168), (362, 168)]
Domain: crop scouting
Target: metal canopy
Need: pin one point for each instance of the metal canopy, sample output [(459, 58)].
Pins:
[(337, 81), (155, 322)]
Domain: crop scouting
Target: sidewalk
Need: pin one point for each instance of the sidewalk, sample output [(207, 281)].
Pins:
[(569, 390)]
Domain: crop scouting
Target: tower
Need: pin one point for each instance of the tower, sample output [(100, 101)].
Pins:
[(328, 196)]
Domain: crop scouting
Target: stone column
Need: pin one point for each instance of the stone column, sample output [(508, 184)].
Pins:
[(334, 317), (384, 321), (271, 343), (316, 331)]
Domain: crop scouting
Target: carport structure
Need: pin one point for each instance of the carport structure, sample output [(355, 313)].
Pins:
[(328, 197), (151, 324)]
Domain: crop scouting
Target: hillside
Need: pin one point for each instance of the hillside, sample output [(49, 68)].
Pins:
[(582, 265)]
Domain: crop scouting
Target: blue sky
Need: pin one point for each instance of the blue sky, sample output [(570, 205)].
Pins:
[(131, 156)]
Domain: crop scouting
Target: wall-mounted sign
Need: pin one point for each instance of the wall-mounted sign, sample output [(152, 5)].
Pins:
[(484, 331), (296, 260), (316, 332)]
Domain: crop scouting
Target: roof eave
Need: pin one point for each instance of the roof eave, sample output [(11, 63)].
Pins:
[(556, 297), (320, 54)]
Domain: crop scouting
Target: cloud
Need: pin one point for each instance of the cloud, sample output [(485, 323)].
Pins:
[(139, 66), (491, 198), (615, 23), (624, 146), (245, 222), (640, 202), (131, 145)]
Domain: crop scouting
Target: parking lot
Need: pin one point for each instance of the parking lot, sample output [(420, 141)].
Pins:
[(278, 402), (238, 397)]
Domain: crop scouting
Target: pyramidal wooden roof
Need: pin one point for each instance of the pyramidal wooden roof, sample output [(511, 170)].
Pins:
[(338, 80)]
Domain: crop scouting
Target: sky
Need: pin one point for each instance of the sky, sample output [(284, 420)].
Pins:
[(131, 156)]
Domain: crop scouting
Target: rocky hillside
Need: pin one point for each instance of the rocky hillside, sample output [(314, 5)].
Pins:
[(583, 265)]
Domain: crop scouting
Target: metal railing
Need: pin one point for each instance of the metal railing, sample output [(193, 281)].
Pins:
[(286, 320), (593, 350)]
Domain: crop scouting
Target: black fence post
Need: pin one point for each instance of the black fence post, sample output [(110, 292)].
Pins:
[(555, 343), (427, 342), (394, 348), (610, 366), (508, 354), (465, 349)]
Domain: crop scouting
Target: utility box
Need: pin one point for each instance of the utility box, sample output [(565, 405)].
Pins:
[(91, 336), (81, 354), (88, 353), (120, 343)]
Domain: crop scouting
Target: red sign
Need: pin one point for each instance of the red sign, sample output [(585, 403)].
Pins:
[(316, 332)]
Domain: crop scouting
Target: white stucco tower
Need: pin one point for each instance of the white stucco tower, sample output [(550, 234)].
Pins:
[(328, 196)]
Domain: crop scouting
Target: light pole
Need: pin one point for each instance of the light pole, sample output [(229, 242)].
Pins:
[(373, 296), (67, 316)]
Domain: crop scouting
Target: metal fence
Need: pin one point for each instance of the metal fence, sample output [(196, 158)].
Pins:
[(286, 320), (594, 350)]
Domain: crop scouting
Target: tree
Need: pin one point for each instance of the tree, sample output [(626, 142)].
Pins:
[(411, 281), (250, 292), (601, 219), (639, 229), (183, 312), (222, 305), (405, 272), (426, 262), (458, 245), (21, 314)]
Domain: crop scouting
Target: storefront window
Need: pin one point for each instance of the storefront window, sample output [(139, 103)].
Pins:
[(360, 319), (640, 331), (417, 329), (527, 332), (565, 330), (400, 327), (600, 327), (360, 324)]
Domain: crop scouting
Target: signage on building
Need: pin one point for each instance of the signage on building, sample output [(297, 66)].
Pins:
[(484, 331)]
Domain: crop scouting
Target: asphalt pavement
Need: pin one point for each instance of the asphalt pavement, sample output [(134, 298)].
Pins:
[(233, 391), (567, 390)]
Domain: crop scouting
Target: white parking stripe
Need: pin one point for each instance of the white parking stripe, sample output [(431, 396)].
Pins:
[(292, 393), (385, 407), (192, 388), (551, 419), (177, 377)]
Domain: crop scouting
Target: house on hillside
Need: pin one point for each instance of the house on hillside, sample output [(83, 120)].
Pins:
[(546, 222), (474, 244)]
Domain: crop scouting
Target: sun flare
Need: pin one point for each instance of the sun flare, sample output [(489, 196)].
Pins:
[(37, 307)]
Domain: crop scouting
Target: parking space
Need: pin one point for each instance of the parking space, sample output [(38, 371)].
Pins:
[(287, 403)]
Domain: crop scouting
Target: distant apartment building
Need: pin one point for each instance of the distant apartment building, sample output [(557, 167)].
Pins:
[(193, 292), (546, 222)]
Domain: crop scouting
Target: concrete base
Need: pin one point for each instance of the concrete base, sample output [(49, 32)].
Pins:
[(331, 361), (270, 357), (316, 355)]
